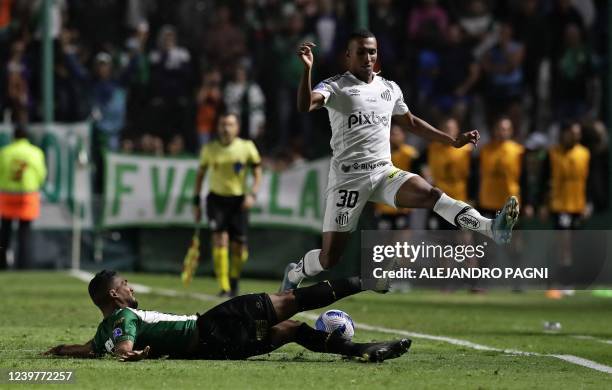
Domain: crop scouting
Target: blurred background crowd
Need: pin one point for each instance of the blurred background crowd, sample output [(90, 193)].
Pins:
[(154, 75)]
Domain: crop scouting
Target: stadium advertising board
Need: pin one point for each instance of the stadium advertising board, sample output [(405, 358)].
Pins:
[(146, 191), (68, 185)]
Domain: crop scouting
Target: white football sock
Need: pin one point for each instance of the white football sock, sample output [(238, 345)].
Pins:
[(308, 266), (462, 215)]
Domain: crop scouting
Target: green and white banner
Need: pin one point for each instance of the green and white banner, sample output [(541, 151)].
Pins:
[(67, 190), (153, 191)]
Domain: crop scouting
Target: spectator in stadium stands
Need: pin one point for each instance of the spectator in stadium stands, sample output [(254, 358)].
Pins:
[(107, 91), (225, 43), (480, 26), (565, 176), (176, 147), (427, 23), (595, 138), (457, 73), (18, 85), (500, 168), (128, 146), (108, 103), (386, 23), (503, 67), (22, 174), (171, 86), (573, 76), (288, 71), (428, 65), (71, 94), (532, 29), (151, 145), (564, 14), (329, 28), (209, 101), (228, 160), (30, 13), (449, 170), (138, 84), (245, 98), (402, 156), (501, 172), (6, 19)]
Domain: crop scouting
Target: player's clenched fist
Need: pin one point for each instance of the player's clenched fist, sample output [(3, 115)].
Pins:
[(305, 53), (470, 137)]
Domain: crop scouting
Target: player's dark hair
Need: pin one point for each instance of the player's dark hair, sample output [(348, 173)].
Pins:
[(99, 286), (360, 34), (225, 114)]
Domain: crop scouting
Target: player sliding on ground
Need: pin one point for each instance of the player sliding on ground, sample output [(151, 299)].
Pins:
[(244, 326), (361, 104)]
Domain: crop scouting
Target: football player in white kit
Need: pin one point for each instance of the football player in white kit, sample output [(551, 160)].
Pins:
[(361, 104)]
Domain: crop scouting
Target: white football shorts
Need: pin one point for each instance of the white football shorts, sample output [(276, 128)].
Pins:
[(350, 187)]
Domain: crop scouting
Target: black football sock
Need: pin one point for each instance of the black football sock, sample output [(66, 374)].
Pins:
[(325, 293), (320, 341)]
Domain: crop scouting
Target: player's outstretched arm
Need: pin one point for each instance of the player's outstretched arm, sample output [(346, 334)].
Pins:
[(423, 129), (74, 350), (307, 100), (125, 352)]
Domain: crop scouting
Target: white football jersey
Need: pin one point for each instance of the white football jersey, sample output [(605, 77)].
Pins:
[(360, 117)]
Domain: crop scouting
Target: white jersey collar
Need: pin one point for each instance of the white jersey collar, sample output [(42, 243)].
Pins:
[(349, 74)]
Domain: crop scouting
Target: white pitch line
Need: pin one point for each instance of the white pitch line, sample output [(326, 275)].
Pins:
[(585, 337), (86, 277)]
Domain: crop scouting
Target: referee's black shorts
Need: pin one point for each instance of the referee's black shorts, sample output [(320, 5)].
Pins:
[(225, 214), (237, 329)]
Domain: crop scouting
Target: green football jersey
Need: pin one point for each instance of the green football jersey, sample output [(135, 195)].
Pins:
[(166, 334)]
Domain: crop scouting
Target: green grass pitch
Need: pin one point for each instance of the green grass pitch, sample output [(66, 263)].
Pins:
[(42, 309)]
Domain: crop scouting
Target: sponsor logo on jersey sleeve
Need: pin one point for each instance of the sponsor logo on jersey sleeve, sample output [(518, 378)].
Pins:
[(353, 92), (342, 218), (117, 332), (394, 173)]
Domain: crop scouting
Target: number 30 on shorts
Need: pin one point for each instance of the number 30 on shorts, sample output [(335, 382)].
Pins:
[(348, 198)]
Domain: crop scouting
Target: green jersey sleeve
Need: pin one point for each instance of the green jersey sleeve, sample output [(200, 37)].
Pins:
[(120, 326), (125, 327)]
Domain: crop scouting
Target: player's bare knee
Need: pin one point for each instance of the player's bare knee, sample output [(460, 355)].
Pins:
[(220, 239)]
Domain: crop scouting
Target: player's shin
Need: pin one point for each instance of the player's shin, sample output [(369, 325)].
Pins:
[(221, 266), (462, 215), (308, 266), (325, 293), (237, 261)]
